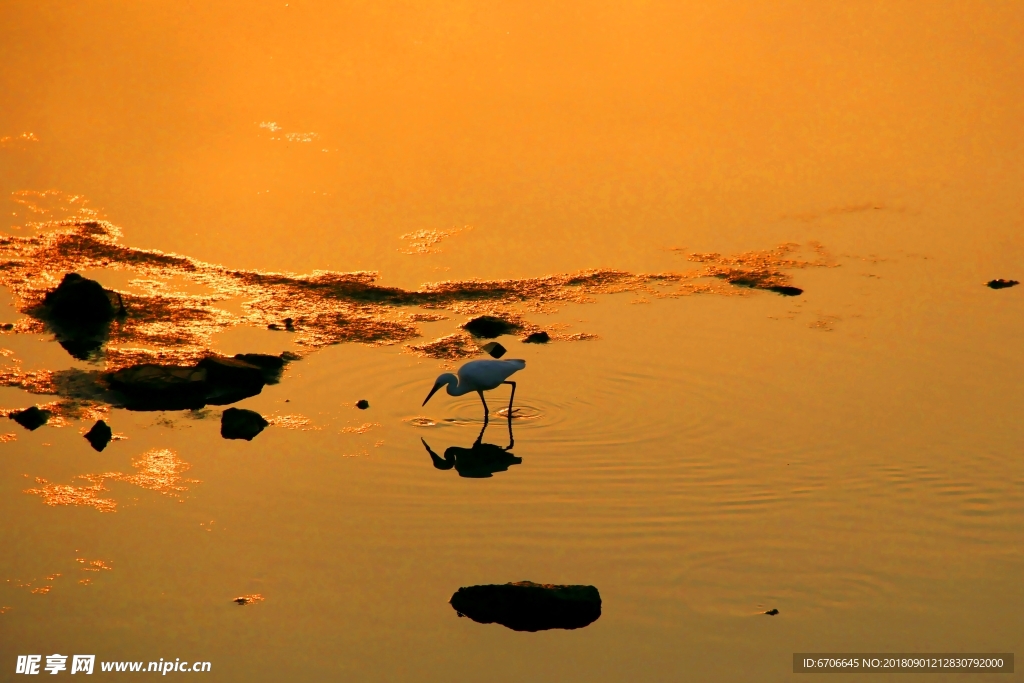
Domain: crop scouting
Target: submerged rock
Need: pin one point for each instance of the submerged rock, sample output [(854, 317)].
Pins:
[(214, 380), (489, 326), (239, 423), (1001, 284), (528, 606), (362, 404), (495, 349), (99, 436), (31, 418), (537, 338)]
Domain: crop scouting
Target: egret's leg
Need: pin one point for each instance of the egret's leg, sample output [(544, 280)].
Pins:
[(510, 398), (484, 429), (511, 441), (486, 411)]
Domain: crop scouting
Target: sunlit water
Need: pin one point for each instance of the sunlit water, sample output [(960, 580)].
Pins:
[(850, 456)]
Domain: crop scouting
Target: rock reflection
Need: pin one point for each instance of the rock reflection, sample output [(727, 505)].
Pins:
[(479, 461)]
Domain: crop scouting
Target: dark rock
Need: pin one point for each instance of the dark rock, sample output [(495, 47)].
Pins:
[(31, 418), (231, 372), (289, 324), (99, 436), (212, 381), (230, 380), (7, 326), (1001, 284), (488, 327), (81, 302), (772, 612), (538, 338), (161, 387), (495, 349), (273, 326), (238, 423), (527, 606), (785, 291), (362, 404), (270, 366)]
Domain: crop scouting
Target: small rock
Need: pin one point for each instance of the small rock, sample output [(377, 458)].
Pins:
[(785, 291), (489, 326), (239, 423), (248, 599), (288, 324), (99, 436), (495, 349), (273, 326), (362, 404), (31, 418), (7, 326), (528, 606), (1001, 284), (772, 612), (538, 338)]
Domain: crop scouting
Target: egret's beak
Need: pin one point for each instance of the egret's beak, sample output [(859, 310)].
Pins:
[(433, 391)]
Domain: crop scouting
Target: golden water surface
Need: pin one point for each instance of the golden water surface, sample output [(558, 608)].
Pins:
[(612, 173)]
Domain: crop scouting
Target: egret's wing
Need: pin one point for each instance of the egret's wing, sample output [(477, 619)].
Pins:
[(487, 374)]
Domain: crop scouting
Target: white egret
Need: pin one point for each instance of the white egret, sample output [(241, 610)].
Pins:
[(480, 376)]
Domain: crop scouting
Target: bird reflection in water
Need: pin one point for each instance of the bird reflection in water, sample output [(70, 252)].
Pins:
[(480, 460)]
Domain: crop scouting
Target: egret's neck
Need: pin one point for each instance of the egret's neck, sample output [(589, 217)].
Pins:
[(453, 385)]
